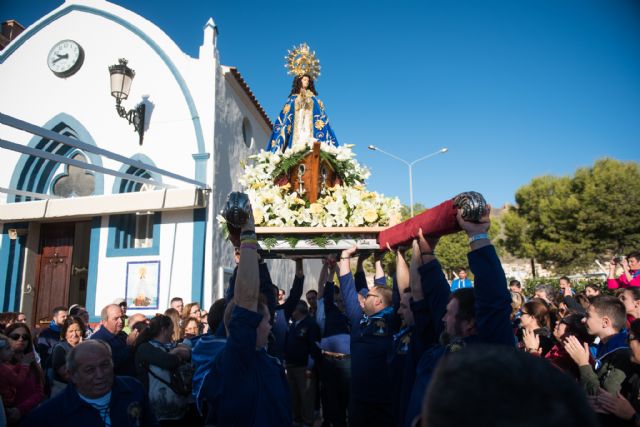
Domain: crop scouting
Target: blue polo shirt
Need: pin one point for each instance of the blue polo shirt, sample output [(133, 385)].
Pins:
[(254, 389)]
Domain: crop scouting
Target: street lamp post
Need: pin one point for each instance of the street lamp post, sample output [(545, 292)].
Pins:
[(410, 165)]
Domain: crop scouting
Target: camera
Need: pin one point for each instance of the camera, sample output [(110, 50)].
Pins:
[(618, 259)]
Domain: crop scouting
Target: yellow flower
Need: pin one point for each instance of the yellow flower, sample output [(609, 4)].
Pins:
[(370, 215), (319, 124), (321, 104), (315, 208), (258, 216), (287, 108)]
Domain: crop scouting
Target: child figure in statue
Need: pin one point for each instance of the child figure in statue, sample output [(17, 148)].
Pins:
[(302, 120)]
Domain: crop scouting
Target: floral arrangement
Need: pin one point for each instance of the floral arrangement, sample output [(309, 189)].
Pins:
[(347, 205)]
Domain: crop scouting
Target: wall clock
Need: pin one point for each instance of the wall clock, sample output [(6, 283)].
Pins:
[(65, 58)]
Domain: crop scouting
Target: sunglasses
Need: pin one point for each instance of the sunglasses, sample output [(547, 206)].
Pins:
[(16, 337)]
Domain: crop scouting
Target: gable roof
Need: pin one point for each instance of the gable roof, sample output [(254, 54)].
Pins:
[(245, 87)]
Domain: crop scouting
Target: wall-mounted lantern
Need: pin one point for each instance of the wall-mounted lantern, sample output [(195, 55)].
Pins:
[(121, 78)]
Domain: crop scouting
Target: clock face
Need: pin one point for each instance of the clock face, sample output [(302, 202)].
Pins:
[(65, 58)]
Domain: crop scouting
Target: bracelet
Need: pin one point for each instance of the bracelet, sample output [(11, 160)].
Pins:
[(427, 253), (253, 246), (345, 257), (480, 236), (249, 240), (248, 233)]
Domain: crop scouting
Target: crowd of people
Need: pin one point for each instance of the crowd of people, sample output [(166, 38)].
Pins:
[(420, 352)]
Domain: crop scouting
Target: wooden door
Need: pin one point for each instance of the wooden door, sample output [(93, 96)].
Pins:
[(54, 272)]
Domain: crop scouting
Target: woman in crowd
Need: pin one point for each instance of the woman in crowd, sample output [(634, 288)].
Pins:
[(156, 358), (72, 333), (31, 392), (191, 310), (535, 321), (174, 315), (11, 376), (191, 328), (7, 319), (569, 325)]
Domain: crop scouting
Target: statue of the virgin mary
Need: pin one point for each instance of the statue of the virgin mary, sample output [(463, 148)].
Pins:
[(302, 120)]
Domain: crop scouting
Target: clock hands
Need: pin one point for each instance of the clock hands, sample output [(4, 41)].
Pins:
[(65, 56)]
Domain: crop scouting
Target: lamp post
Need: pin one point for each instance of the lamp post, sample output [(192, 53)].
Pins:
[(410, 165), (121, 78)]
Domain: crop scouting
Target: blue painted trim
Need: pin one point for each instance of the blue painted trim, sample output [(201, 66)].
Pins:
[(197, 256), (5, 272), (112, 251), (11, 266), (34, 167), (124, 168), (201, 165), (15, 300), (34, 29), (92, 275)]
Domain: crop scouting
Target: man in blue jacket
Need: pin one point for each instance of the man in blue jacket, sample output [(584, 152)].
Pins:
[(371, 346), (253, 389), (95, 396), (474, 315), (111, 333)]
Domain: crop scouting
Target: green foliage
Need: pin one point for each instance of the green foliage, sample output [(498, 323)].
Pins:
[(321, 241), (286, 164), (270, 242), (341, 167), (567, 222), (405, 211), (292, 241)]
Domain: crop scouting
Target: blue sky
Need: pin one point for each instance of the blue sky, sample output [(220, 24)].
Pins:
[(514, 89)]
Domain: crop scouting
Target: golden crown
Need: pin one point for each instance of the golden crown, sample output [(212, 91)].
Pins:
[(301, 61)]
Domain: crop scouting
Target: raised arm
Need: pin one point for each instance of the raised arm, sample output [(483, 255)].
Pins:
[(348, 289), (295, 293), (379, 277), (493, 302), (248, 277), (329, 287), (402, 271), (433, 283), (359, 277)]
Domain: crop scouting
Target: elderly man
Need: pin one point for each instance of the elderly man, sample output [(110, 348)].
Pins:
[(111, 333), (95, 397)]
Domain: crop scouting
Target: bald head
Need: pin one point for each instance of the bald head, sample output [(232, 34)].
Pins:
[(135, 318)]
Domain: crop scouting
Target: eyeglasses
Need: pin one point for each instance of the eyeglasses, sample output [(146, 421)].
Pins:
[(16, 337)]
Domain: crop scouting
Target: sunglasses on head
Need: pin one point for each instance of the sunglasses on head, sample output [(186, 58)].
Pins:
[(16, 337)]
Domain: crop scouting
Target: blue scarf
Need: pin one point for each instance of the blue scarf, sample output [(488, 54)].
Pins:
[(54, 326), (377, 315)]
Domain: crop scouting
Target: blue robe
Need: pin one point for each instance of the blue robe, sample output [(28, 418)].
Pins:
[(282, 134)]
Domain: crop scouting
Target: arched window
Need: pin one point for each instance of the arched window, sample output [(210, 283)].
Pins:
[(74, 181), (247, 132)]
